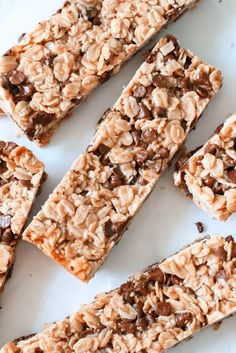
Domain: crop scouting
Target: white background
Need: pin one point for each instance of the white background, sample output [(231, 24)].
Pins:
[(40, 291)]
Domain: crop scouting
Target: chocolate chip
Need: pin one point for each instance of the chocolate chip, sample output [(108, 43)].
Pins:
[(202, 79), (108, 229), (93, 16), (116, 179), (212, 149), (164, 309), (157, 275), (141, 156), (139, 91), (209, 181), (185, 84), (202, 92), (42, 118), (229, 238), (149, 136), (150, 57), (159, 112), (136, 137), (7, 236), (2, 145), (160, 81), (175, 280), (156, 166), (26, 183), (183, 319), (221, 274), (142, 323), (17, 77), (200, 227), (103, 150), (5, 221), (126, 291), (232, 176), (144, 112), (221, 253), (127, 326)]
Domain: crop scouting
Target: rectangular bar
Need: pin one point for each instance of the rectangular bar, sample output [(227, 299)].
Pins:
[(152, 312), (209, 175), (21, 175), (56, 66), (89, 210)]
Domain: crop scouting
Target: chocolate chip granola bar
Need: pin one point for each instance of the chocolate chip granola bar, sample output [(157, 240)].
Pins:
[(152, 312), (135, 142), (56, 66), (21, 175), (208, 176)]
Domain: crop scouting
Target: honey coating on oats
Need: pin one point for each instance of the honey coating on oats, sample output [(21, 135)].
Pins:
[(90, 209), (56, 66)]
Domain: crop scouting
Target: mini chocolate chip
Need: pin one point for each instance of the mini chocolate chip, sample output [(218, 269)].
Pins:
[(116, 179), (221, 274), (156, 165), (27, 90), (42, 118), (126, 290), (164, 309), (144, 112), (209, 181), (212, 149), (175, 280), (139, 91), (142, 323), (157, 275), (150, 57), (5, 221), (17, 77), (217, 130), (141, 156), (221, 253), (200, 227), (202, 92), (103, 149), (232, 175), (149, 136), (7, 236), (108, 229), (136, 137), (185, 84), (27, 183), (2, 145), (127, 326), (9, 146), (229, 238), (202, 79), (160, 81), (159, 112), (183, 319)]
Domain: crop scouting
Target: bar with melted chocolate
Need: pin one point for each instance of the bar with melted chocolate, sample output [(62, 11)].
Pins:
[(56, 67), (152, 312), (90, 209), (208, 176), (21, 175)]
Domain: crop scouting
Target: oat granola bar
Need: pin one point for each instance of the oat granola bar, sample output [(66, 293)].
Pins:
[(209, 175), (152, 312), (55, 67), (21, 175), (89, 210)]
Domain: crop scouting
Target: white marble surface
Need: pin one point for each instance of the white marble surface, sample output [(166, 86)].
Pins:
[(40, 291)]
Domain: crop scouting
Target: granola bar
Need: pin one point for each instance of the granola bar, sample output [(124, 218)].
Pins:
[(21, 175), (56, 66), (89, 210), (209, 175), (154, 311)]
